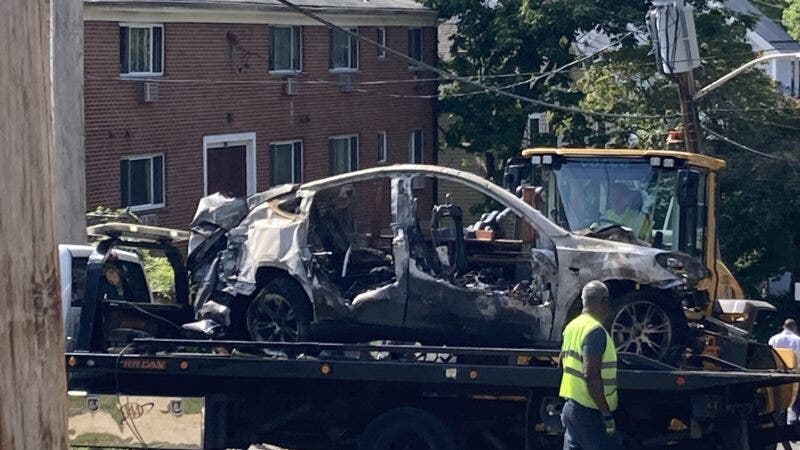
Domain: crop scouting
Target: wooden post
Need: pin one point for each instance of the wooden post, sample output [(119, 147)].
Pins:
[(67, 76), (32, 383), (692, 131)]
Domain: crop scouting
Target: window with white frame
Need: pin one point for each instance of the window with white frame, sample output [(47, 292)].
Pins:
[(415, 147), (343, 50), (285, 49), (381, 39), (415, 43), (382, 147), (141, 49), (142, 181), (343, 154), (285, 163)]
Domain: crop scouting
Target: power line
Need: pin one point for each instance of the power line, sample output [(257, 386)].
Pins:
[(762, 2), (535, 79), (766, 122), (451, 76), (748, 109), (742, 146)]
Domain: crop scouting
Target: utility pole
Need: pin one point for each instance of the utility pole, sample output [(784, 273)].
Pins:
[(33, 406), (692, 133), (672, 31), (67, 78)]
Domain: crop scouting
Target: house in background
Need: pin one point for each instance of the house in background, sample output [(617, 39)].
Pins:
[(187, 98), (768, 37)]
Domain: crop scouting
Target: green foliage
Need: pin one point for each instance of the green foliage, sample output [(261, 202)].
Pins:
[(791, 18), (159, 274), (760, 201)]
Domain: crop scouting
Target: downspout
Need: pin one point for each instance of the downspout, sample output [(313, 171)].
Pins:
[(435, 118)]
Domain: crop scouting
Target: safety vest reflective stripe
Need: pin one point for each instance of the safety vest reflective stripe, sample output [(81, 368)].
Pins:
[(577, 373), (573, 383), (579, 357)]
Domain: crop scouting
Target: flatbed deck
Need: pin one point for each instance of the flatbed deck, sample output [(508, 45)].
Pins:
[(478, 367), (276, 392)]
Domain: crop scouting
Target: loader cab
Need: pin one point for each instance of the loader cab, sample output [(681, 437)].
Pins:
[(662, 199)]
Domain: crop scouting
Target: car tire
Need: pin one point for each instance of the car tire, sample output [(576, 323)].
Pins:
[(648, 324), (408, 428), (279, 312)]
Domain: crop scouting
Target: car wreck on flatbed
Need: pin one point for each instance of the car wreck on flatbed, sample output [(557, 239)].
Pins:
[(137, 379), (347, 257)]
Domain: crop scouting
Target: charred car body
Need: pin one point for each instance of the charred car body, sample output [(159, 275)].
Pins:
[(288, 264)]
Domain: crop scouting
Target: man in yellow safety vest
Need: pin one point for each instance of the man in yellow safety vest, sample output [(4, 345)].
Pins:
[(589, 379)]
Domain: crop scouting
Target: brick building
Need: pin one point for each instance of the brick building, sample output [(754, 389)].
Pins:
[(185, 98)]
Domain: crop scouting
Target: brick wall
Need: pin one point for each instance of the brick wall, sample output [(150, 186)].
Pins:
[(189, 107)]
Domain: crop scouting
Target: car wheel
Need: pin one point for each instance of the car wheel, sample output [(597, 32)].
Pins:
[(278, 314), (641, 323)]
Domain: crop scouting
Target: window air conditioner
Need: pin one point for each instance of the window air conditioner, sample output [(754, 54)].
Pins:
[(290, 86), (148, 91)]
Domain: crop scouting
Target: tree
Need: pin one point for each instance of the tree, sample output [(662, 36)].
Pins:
[(516, 36), (757, 236), (791, 18)]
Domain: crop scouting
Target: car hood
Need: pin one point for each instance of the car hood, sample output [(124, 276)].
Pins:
[(594, 258)]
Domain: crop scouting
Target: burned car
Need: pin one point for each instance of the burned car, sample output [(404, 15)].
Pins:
[(368, 255)]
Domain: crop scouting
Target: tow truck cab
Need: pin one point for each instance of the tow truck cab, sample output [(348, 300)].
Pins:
[(112, 322), (72, 273)]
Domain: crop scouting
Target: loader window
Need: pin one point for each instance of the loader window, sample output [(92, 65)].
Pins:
[(590, 194)]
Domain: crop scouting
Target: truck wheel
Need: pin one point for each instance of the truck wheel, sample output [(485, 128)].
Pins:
[(641, 322), (279, 313), (408, 429)]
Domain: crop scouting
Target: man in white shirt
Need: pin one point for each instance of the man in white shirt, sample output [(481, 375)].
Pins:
[(788, 338)]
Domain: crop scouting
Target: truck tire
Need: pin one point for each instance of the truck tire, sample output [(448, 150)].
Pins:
[(649, 324), (407, 428), (279, 312)]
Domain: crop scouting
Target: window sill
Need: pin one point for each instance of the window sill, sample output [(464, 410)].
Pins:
[(415, 68), (285, 73), (141, 208), (343, 70), (139, 76), (382, 58)]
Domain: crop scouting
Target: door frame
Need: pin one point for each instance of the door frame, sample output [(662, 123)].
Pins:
[(232, 140)]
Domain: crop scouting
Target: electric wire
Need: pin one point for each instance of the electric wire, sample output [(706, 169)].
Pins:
[(741, 146), (451, 76), (765, 3), (280, 81), (535, 79), (765, 122)]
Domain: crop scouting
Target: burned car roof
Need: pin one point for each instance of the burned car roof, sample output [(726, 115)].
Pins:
[(481, 185)]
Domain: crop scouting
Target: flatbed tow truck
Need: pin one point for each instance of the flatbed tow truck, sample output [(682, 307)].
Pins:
[(136, 380)]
